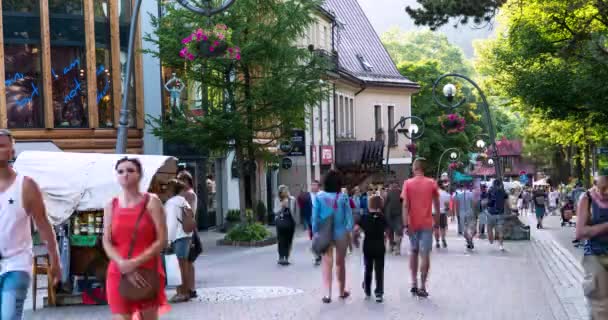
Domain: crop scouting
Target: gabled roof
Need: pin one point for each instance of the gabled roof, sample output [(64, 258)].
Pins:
[(360, 52), (508, 147)]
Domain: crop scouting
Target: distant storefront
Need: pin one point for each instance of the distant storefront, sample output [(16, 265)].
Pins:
[(62, 63)]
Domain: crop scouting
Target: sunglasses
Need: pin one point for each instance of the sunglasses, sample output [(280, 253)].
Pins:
[(128, 170)]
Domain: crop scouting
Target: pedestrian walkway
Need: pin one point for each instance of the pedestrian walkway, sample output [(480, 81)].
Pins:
[(248, 284)]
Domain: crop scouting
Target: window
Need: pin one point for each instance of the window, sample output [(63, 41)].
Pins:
[(392, 136), (68, 63), (103, 63), (22, 61), (341, 117), (124, 11), (351, 133), (322, 37), (378, 123), (327, 37)]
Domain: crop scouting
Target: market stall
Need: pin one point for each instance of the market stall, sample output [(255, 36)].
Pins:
[(76, 187)]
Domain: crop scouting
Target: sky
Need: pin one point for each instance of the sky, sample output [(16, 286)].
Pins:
[(385, 14)]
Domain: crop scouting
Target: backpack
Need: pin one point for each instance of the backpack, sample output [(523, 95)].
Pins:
[(496, 201)]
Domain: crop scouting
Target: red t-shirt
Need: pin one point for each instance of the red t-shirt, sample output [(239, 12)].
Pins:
[(419, 193)]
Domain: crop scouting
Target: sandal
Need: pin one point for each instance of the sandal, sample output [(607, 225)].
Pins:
[(422, 293), (179, 298), (345, 295), (326, 300)]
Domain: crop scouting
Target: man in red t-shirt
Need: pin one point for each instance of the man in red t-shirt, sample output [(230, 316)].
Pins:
[(419, 195)]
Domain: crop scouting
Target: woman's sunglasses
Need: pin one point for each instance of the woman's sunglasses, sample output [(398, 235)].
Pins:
[(128, 170)]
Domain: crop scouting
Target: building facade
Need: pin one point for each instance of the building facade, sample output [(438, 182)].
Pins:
[(349, 129), (62, 63)]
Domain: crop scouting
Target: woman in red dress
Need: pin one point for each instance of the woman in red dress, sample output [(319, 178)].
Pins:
[(151, 238)]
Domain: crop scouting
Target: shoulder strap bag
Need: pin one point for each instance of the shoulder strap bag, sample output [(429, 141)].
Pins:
[(321, 241), (126, 288)]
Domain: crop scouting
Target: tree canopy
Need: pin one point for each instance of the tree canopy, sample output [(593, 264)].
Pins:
[(255, 101), (436, 13)]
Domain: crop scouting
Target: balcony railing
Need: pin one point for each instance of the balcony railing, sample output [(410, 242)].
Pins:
[(332, 58)]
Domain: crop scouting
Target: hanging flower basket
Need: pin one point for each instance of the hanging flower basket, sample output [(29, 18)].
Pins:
[(411, 147), (456, 165), (481, 157), (452, 123), (210, 43)]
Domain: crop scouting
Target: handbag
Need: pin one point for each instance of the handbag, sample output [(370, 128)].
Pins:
[(321, 241), (126, 288), (196, 247)]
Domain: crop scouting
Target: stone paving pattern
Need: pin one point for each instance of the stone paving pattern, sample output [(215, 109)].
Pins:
[(485, 284)]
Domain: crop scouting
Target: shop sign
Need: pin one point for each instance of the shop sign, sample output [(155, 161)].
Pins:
[(298, 143), (327, 155), (286, 163), (286, 146)]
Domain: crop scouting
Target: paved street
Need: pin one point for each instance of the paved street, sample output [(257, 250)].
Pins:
[(487, 284)]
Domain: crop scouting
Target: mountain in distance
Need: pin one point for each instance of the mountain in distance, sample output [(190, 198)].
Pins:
[(385, 14)]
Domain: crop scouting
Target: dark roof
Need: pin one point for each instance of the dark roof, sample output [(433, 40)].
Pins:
[(508, 147), (360, 51)]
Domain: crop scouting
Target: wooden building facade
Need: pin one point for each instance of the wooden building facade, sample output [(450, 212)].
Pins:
[(62, 65)]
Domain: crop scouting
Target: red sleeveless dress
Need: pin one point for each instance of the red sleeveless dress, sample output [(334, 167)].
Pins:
[(123, 226)]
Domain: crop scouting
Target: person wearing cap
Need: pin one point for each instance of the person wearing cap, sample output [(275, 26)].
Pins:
[(592, 226)]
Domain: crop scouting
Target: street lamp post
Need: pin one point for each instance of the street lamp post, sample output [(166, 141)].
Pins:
[(454, 156), (208, 10), (413, 132), (449, 91)]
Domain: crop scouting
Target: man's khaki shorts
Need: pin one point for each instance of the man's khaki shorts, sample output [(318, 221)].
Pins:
[(595, 286)]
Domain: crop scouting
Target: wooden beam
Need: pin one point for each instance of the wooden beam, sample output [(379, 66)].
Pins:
[(116, 69), (89, 31), (139, 78), (46, 134), (3, 111), (47, 81)]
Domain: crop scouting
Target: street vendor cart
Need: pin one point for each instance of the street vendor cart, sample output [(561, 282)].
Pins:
[(76, 187)]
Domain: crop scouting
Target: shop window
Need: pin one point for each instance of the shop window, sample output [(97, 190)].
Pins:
[(22, 61), (103, 63), (124, 11), (68, 63)]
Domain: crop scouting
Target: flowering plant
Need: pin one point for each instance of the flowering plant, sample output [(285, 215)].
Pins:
[(456, 165), (453, 123), (482, 157), (216, 41)]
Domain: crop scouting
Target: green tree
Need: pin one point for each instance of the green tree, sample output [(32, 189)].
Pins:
[(254, 102), (436, 13)]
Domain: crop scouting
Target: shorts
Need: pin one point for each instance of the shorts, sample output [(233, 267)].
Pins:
[(421, 241), (595, 286), (13, 292), (496, 221), (441, 221), (181, 247), (540, 212)]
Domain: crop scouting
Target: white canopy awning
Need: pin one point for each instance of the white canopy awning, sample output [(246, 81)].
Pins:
[(82, 181)]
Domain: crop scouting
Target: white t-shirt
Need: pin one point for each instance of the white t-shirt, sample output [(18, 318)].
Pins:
[(444, 202), (553, 197), (173, 210)]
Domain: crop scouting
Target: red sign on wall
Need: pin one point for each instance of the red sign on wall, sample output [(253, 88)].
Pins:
[(327, 155)]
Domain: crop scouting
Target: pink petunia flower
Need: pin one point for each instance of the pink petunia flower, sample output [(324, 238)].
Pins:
[(216, 43), (230, 50), (190, 57), (221, 36), (211, 48), (183, 52), (199, 34), (205, 37), (187, 40), (238, 56)]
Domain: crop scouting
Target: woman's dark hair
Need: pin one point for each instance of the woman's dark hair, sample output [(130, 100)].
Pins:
[(134, 161), (176, 186), (332, 181), (186, 177)]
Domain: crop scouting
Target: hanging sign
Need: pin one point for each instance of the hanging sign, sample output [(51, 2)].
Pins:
[(286, 163)]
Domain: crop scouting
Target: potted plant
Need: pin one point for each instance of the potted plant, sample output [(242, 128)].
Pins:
[(453, 123), (233, 217), (210, 43)]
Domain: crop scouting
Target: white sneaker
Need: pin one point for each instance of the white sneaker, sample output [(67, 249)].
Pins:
[(502, 248)]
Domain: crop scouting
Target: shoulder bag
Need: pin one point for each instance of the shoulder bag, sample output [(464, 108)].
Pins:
[(126, 288), (321, 241), (284, 220)]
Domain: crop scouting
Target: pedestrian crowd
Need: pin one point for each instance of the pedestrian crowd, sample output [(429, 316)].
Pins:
[(141, 227)]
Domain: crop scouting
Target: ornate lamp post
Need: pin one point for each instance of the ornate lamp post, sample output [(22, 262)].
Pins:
[(449, 92), (414, 131), (454, 156), (208, 10)]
